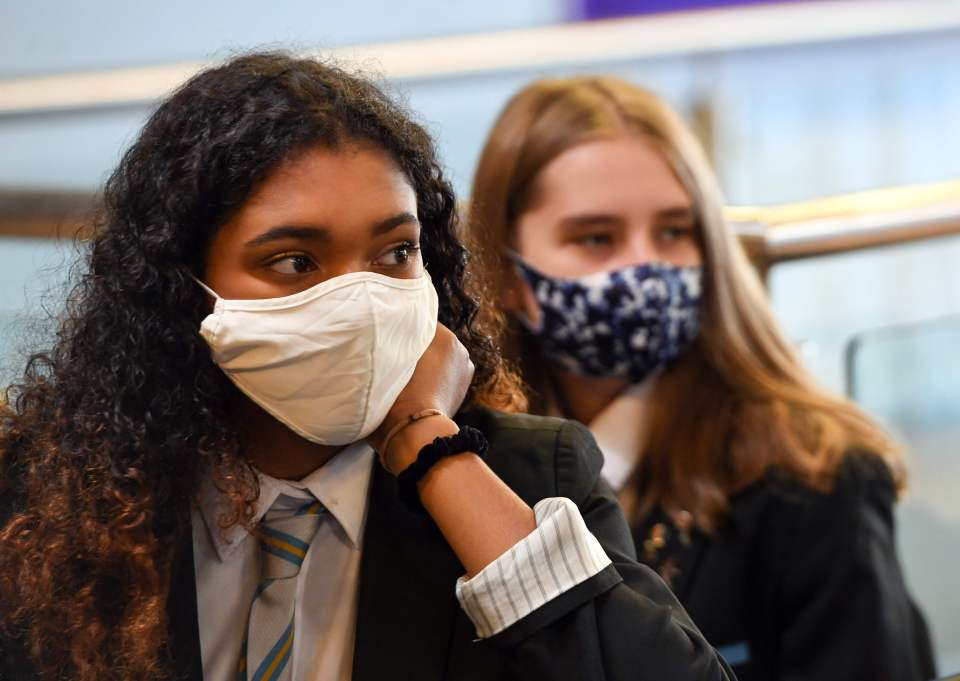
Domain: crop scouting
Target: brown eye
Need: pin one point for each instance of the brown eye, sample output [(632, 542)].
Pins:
[(595, 240), (675, 233), (398, 255), (293, 264)]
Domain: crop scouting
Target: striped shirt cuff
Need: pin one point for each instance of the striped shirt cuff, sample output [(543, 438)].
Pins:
[(551, 560)]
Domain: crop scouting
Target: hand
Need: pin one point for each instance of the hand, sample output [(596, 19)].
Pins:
[(440, 381)]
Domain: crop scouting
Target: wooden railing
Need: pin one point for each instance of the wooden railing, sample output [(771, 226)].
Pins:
[(43, 214)]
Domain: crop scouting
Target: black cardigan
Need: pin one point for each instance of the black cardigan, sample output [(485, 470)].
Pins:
[(801, 586), (623, 623)]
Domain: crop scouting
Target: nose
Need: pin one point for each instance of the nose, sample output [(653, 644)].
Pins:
[(638, 247), (346, 265)]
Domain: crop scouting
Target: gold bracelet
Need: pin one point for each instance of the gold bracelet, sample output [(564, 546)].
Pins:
[(413, 418)]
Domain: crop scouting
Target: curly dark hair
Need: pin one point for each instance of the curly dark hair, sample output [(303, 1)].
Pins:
[(105, 440)]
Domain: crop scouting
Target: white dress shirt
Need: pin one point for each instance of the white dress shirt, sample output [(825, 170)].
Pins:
[(619, 432), (554, 558), (228, 571)]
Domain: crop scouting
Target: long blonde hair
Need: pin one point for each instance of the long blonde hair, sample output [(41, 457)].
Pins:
[(739, 402)]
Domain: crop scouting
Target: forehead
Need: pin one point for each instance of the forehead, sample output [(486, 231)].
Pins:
[(619, 173), (345, 187)]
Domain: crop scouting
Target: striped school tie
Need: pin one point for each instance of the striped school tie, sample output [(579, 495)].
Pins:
[(285, 534)]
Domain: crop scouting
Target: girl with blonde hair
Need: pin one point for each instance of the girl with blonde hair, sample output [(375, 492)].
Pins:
[(628, 304)]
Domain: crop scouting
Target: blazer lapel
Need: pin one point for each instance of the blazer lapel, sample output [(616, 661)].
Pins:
[(407, 604), (184, 625)]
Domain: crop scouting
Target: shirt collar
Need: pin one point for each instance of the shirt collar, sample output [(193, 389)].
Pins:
[(619, 432), (341, 485)]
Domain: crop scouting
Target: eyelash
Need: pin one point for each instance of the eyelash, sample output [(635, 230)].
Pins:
[(669, 233), (678, 232), (294, 256), (595, 240), (407, 246)]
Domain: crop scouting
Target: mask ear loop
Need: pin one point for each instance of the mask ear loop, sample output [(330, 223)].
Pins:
[(205, 287)]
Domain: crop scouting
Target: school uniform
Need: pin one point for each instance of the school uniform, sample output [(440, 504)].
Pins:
[(567, 602), (796, 585), (800, 584)]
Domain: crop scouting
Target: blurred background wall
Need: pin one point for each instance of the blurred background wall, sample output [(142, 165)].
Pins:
[(786, 119)]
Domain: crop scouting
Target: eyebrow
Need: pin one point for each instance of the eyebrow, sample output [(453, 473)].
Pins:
[(678, 213), (589, 220), (316, 233), (391, 224), (289, 232)]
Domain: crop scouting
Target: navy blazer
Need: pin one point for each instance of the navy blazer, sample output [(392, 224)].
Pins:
[(623, 623), (800, 585)]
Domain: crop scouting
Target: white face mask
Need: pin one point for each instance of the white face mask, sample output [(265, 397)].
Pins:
[(328, 362)]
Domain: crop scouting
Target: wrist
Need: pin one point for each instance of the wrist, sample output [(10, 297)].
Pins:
[(406, 444), (381, 444), (468, 444)]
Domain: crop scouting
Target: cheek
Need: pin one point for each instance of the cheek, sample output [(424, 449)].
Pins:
[(537, 243), (227, 273), (686, 254), (528, 235), (215, 266)]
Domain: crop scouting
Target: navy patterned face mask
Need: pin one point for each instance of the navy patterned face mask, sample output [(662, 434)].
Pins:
[(627, 323)]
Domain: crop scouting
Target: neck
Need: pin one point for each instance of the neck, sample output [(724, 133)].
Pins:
[(583, 397), (276, 450)]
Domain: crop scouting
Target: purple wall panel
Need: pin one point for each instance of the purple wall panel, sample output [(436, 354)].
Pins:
[(603, 9)]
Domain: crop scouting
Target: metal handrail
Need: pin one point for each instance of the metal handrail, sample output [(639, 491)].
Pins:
[(847, 223)]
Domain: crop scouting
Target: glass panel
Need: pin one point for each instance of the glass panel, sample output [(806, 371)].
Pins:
[(909, 377), (34, 274)]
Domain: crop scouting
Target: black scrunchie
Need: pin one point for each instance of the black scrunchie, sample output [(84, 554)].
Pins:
[(467, 440)]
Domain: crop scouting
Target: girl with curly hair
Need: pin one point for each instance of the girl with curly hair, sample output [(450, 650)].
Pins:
[(239, 460), (765, 502)]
